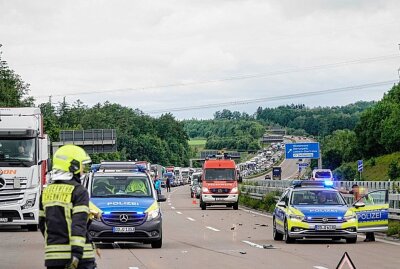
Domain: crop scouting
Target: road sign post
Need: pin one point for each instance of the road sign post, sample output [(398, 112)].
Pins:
[(360, 167)]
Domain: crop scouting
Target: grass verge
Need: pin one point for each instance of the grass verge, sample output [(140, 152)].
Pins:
[(266, 204)]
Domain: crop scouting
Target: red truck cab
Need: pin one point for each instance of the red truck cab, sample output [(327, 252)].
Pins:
[(219, 184)]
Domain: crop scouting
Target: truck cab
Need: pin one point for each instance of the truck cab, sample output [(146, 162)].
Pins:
[(23, 166), (219, 183)]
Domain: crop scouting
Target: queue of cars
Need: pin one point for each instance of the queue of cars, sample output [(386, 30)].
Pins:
[(264, 160)]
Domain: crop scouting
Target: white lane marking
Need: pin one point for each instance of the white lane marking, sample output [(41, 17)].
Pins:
[(172, 207), (169, 204), (253, 244), (213, 229), (177, 212), (191, 219), (133, 267), (319, 267), (256, 213)]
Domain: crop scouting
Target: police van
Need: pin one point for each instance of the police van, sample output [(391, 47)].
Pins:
[(314, 209), (125, 194)]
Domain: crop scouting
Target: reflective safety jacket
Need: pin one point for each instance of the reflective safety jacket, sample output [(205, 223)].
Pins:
[(136, 185), (63, 220)]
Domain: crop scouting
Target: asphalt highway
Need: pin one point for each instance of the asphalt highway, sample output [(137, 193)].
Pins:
[(215, 238)]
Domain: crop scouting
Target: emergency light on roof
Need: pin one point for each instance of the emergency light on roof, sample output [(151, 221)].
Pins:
[(122, 166), (312, 183)]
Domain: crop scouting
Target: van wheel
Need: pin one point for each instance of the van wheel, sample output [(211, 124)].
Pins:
[(352, 240), (203, 205), (157, 244), (236, 206), (32, 227)]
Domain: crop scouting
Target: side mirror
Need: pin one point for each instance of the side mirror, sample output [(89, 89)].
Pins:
[(281, 204), (49, 165), (359, 204), (240, 179), (161, 198)]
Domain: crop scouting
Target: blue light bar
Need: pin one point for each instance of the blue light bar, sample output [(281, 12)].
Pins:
[(106, 212)]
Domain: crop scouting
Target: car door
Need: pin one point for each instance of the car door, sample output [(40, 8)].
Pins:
[(372, 211), (280, 210)]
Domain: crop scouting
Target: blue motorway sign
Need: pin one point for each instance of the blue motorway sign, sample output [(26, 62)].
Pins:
[(302, 150), (360, 165)]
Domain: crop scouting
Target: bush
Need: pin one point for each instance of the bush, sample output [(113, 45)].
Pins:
[(266, 204), (394, 228)]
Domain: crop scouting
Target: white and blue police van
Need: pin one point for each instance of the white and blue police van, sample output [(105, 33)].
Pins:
[(129, 204)]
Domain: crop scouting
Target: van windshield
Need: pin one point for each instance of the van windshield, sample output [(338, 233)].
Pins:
[(219, 174), (121, 186)]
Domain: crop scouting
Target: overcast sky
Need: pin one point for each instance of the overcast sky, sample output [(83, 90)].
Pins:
[(159, 55)]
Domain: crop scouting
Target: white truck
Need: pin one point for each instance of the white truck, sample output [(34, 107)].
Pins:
[(23, 166), (185, 175)]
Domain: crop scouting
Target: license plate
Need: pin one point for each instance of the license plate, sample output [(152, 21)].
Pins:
[(219, 199), (325, 227), (3, 219), (123, 229)]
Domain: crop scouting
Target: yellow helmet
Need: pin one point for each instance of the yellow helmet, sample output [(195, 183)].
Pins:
[(70, 159)]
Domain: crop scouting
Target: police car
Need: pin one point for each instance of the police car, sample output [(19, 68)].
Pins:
[(125, 194), (314, 209)]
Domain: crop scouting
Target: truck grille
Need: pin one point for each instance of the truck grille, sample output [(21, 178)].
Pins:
[(324, 220), (116, 218), (10, 214), (11, 195), (220, 190)]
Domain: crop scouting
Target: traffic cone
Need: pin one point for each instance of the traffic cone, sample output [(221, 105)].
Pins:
[(194, 201)]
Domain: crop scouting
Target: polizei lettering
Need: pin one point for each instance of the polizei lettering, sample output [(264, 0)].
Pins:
[(123, 203), (373, 215)]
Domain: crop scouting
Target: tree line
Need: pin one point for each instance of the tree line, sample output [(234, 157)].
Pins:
[(158, 140)]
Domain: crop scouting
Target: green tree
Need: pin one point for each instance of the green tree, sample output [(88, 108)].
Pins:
[(13, 90), (394, 170)]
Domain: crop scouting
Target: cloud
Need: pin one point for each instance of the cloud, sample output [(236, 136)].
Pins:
[(78, 46)]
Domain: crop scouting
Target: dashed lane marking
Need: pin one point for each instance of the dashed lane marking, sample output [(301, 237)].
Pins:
[(177, 212), (253, 244), (212, 229), (172, 207), (191, 219), (319, 267)]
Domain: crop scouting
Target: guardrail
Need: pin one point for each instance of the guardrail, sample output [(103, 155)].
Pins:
[(392, 186), (268, 186)]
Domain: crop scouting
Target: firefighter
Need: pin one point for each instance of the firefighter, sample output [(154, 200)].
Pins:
[(64, 213)]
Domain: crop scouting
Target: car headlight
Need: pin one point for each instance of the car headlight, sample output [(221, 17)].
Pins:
[(234, 190), (30, 202), (153, 214), (351, 217), (205, 189), (296, 217)]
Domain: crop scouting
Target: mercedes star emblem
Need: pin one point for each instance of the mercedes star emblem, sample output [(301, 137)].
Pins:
[(123, 217), (2, 183), (324, 220)]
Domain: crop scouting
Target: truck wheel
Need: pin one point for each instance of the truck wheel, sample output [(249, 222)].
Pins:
[(32, 227), (236, 206), (191, 195)]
